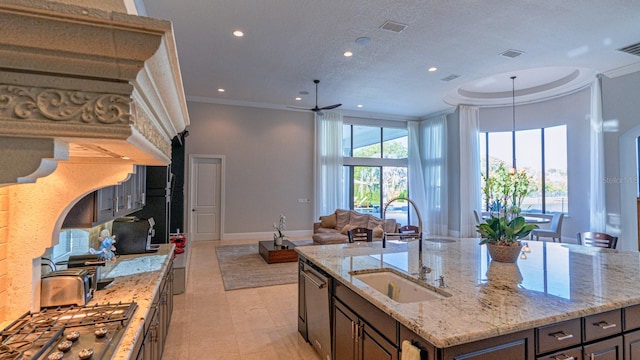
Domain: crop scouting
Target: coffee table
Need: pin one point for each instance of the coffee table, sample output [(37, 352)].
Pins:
[(272, 253)]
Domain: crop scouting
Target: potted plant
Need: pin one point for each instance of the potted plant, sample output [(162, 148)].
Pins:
[(505, 190), (502, 236)]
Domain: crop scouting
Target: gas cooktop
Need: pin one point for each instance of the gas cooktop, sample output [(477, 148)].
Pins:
[(72, 332)]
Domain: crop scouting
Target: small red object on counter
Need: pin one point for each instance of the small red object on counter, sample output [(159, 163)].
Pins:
[(180, 240)]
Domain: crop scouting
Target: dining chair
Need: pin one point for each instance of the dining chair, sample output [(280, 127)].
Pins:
[(597, 239), (360, 234), (554, 231), (411, 231)]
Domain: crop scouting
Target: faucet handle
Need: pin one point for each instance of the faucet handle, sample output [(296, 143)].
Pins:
[(441, 283)]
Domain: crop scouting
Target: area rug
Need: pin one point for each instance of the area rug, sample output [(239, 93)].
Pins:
[(242, 267)]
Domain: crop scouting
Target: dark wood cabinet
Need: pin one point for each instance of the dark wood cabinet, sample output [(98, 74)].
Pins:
[(109, 203), (512, 346), (354, 339), (156, 327), (610, 349)]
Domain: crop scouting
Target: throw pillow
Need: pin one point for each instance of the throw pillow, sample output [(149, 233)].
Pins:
[(328, 221), (378, 231), (342, 218), (374, 222), (359, 220), (390, 225), (346, 228)]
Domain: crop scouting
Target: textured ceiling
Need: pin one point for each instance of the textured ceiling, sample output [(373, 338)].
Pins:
[(288, 43)]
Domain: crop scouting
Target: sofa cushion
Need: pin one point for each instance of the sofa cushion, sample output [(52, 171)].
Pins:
[(374, 222), (346, 228), (328, 221), (359, 220), (322, 230), (329, 238), (390, 225), (378, 231), (342, 218)]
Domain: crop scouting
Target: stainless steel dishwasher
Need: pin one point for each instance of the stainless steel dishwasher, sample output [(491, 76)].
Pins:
[(316, 292)]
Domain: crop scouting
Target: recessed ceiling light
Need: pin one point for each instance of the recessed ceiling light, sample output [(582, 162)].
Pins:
[(298, 98), (348, 53), (238, 33), (433, 68), (220, 90), (359, 105)]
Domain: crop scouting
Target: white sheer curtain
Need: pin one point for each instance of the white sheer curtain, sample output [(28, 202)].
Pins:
[(597, 204), (416, 179), (433, 149), (470, 193), (328, 164)]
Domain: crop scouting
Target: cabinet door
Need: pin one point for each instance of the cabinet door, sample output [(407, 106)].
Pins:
[(344, 332), (375, 347), (632, 346), (610, 349), (139, 186), (105, 203)]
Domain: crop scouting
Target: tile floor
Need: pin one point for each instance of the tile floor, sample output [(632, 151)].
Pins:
[(211, 323)]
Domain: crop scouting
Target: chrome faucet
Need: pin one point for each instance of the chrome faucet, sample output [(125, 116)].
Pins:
[(424, 270), (441, 283)]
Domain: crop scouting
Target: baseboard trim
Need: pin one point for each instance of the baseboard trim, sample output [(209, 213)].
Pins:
[(267, 235)]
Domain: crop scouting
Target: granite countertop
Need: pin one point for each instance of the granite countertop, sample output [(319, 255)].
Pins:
[(555, 282), (136, 278)]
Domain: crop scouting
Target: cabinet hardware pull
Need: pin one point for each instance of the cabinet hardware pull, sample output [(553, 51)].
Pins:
[(563, 357), (309, 276), (561, 335), (353, 330), (605, 325)]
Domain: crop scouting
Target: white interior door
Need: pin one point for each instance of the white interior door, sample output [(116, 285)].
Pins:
[(205, 197)]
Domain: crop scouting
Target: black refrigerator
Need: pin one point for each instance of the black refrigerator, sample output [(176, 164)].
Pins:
[(158, 201)]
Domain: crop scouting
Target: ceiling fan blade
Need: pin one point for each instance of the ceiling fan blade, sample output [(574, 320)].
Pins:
[(299, 108), (331, 107)]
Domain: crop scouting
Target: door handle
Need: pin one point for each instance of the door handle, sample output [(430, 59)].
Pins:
[(193, 209)]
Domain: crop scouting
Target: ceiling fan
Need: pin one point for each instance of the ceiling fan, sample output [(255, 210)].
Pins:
[(316, 109)]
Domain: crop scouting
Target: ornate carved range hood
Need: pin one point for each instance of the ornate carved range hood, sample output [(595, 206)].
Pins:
[(75, 79), (85, 94)]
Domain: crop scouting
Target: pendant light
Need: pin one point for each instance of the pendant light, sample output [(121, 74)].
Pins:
[(513, 168)]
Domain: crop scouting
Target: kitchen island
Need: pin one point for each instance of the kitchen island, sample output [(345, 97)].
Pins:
[(526, 303), (140, 278)]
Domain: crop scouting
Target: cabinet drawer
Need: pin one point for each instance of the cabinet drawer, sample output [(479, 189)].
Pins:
[(569, 354), (558, 336), (602, 325), (632, 318), (383, 323)]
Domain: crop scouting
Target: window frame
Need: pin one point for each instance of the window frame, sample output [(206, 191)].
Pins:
[(543, 170)]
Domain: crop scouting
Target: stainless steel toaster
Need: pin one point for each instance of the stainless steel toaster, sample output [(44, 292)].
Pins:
[(66, 287)]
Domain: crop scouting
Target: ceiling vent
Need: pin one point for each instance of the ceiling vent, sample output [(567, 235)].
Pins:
[(450, 77), (632, 49), (512, 53), (393, 26)]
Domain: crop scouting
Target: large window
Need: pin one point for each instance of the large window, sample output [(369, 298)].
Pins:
[(375, 169), (542, 153)]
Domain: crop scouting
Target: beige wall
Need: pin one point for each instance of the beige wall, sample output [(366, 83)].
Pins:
[(4, 236), (268, 163)]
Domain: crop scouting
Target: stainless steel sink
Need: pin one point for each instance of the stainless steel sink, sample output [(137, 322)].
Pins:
[(399, 287)]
